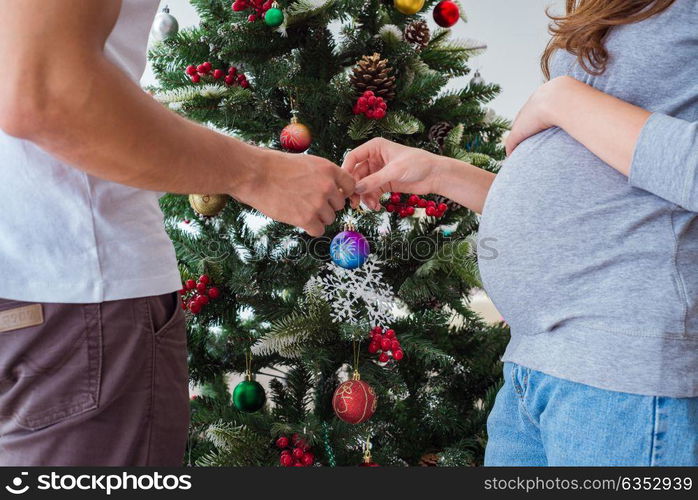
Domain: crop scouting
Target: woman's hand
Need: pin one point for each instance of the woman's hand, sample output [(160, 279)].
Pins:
[(535, 116), (380, 166), (607, 126)]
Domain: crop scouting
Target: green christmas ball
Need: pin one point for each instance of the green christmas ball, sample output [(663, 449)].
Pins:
[(274, 17), (249, 396)]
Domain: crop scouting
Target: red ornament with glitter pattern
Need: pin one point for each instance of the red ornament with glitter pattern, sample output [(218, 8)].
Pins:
[(296, 137), (354, 401)]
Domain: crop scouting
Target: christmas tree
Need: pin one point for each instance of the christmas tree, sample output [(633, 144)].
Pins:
[(265, 298)]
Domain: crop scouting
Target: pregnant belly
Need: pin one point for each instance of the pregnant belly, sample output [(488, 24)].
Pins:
[(564, 238)]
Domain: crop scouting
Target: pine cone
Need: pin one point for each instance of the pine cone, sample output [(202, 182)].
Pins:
[(373, 73), (417, 33), (438, 133), (429, 460)]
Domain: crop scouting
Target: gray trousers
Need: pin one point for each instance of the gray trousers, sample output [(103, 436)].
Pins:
[(93, 384)]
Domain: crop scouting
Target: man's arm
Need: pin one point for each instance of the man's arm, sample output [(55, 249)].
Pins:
[(60, 91)]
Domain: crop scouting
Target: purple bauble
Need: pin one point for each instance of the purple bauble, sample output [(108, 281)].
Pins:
[(349, 249)]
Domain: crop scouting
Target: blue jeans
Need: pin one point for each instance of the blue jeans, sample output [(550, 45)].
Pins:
[(540, 420)]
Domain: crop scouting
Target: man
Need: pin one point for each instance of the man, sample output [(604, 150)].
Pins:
[(92, 342)]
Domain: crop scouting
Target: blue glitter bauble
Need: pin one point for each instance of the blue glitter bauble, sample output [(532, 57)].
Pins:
[(349, 249)]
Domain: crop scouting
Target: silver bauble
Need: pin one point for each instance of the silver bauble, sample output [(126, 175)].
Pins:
[(477, 79), (165, 26)]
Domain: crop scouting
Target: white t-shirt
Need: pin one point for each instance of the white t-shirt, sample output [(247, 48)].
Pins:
[(68, 237)]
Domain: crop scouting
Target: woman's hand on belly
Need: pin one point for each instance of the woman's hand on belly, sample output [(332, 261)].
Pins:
[(533, 117), (604, 124), (381, 166)]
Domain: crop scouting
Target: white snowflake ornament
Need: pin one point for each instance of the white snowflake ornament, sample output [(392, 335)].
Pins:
[(355, 295)]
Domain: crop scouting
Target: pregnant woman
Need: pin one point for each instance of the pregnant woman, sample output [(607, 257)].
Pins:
[(594, 222)]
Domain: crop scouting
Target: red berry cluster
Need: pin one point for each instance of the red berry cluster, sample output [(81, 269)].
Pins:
[(258, 6), (405, 208), (385, 342), (196, 294), (371, 106), (205, 70), (295, 452)]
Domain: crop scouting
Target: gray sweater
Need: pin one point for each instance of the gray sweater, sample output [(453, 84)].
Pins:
[(597, 273)]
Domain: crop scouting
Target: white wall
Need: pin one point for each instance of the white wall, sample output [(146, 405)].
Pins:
[(514, 30)]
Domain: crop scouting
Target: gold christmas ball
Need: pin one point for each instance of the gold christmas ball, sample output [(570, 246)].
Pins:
[(209, 205), (408, 7)]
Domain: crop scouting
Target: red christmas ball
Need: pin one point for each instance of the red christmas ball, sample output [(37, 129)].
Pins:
[(282, 442), (286, 460), (384, 358), (296, 137), (190, 284), (398, 354), (204, 279), (446, 13), (354, 401), (373, 347), (390, 333), (214, 293), (308, 459), (369, 464), (298, 453), (385, 344)]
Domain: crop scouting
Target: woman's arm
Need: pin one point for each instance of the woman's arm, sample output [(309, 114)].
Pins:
[(380, 166), (657, 152), (463, 183), (605, 125)]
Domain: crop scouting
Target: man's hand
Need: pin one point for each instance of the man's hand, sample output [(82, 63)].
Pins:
[(302, 190), (380, 166)]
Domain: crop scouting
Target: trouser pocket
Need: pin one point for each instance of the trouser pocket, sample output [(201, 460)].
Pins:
[(49, 369), (170, 396)]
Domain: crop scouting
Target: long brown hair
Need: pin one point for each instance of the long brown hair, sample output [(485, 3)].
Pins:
[(583, 28)]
